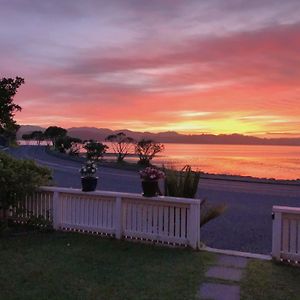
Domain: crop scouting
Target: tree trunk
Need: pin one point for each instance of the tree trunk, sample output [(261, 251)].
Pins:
[(120, 158)]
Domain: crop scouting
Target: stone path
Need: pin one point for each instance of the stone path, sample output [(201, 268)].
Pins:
[(222, 279)]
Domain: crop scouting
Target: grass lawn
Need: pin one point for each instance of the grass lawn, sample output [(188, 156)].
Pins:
[(75, 266), (270, 281)]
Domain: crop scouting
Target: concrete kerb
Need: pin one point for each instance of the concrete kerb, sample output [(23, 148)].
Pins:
[(237, 253)]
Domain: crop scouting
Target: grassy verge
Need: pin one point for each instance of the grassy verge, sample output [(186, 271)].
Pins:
[(268, 280), (74, 266)]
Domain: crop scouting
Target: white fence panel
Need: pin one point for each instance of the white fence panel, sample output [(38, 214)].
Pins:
[(40, 204), (286, 233), (131, 216), (149, 219), (86, 212)]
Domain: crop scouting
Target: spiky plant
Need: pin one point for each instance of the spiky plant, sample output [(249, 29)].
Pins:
[(209, 212), (184, 183)]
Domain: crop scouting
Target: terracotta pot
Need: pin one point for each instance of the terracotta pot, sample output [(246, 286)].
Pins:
[(89, 184)]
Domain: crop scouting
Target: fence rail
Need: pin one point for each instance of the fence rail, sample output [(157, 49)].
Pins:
[(165, 220), (286, 233)]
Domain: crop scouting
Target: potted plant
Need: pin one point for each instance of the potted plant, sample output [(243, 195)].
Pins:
[(88, 178), (150, 177)]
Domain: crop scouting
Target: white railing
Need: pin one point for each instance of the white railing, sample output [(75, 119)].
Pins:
[(165, 220), (286, 233), (38, 204)]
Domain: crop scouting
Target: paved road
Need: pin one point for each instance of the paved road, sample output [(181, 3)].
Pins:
[(246, 225)]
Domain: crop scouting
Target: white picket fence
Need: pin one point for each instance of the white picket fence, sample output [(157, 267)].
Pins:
[(286, 233), (165, 220), (39, 204)]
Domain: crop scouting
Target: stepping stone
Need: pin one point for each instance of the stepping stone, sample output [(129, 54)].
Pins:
[(218, 291), (224, 273), (232, 261)]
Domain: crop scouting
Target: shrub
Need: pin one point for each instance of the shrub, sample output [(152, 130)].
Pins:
[(68, 145), (17, 179), (94, 150)]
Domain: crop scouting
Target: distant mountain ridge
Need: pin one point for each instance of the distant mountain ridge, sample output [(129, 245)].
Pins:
[(170, 136)]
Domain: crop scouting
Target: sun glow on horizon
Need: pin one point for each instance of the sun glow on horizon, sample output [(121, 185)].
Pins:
[(190, 122)]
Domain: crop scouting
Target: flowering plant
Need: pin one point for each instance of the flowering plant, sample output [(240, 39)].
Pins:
[(88, 169), (151, 174)]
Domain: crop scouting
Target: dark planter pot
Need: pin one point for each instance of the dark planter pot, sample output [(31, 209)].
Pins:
[(150, 188), (89, 184)]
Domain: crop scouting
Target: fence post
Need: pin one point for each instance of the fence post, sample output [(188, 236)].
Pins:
[(276, 235), (194, 226), (56, 210), (118, 218)]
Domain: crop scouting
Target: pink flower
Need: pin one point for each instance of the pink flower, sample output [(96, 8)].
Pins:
[(151, 173)]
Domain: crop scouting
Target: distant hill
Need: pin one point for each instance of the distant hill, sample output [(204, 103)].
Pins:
[(93, 133), (28, 129), (171, 136)]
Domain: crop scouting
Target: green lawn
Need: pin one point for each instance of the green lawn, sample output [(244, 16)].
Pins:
[(270, 281), (74, 266)]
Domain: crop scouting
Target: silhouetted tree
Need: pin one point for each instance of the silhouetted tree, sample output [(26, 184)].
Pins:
[(146, 150), (75, 148), (37, 136), (94, 150), (69, 145), (121, 144), (54, 132), (26, 137), (8, 126)]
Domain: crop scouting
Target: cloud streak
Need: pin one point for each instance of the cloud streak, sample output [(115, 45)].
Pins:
[(132, 62)]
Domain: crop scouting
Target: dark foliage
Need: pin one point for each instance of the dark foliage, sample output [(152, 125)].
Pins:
[(8, 126), (94, 150), (121, 144), (55, 132), (69, 145), (18, 178), (146, 150)]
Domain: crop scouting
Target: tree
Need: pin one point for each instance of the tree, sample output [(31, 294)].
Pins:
[(76, 145), (69, 145), (8, 126), (94, 150), (18, 178), (38, 136), (146, 150), (26, 137), (121, 144), (55, 132)]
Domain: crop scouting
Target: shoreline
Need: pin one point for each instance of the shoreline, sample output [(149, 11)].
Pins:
[(250, 179), (224, 177)]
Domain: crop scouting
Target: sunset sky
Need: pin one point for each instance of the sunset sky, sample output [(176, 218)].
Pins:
[(190, 66)]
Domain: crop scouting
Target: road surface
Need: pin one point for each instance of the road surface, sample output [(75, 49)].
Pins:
[(246, 225)]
